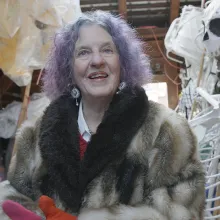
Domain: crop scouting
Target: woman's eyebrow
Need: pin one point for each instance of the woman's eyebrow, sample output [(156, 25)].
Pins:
[(108, 43), (82, 47)]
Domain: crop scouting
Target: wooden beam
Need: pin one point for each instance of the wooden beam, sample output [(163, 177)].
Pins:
[(217, 202), (148, 11), (173, 72), (23, 112), (111, 7), (146, 33), (174, 9), (122, 8)]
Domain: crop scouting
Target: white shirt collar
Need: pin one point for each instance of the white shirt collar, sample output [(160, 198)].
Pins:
[(83, 127)]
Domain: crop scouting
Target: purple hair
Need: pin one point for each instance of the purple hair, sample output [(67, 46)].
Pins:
[(135, 65)]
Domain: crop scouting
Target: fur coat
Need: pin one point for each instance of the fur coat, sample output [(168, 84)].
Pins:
[(142, 163)]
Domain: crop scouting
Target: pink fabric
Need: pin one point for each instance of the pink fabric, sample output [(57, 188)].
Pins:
[(15, 211)]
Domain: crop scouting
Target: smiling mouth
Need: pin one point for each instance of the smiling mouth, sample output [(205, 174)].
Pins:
[(98, 75)]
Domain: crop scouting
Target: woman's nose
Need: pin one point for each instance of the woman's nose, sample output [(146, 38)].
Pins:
[(97, 60)]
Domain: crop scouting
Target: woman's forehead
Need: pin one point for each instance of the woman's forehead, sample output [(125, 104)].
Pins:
[(93, 35)]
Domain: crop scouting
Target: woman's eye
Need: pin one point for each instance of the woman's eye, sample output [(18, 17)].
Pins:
[(83, 53), (108, 50)]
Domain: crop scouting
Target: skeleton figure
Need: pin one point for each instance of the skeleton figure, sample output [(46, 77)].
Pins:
[(211, 20)]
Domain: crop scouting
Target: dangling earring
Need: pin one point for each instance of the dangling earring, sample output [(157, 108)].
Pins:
[(122, 85), (75, 94)]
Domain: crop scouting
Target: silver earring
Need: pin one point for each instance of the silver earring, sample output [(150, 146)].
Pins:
[(122, 85), (75, 94)]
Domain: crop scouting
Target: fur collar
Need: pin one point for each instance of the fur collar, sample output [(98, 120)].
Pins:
[(59, 142)]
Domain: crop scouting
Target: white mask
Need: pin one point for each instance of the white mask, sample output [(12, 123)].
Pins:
[(211, 19)]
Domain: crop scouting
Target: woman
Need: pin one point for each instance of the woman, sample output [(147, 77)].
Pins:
[(101, 150)]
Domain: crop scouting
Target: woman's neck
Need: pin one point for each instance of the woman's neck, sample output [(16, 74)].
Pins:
[(93, 111)]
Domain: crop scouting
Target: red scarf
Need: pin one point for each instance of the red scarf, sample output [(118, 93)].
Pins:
[(82, 146)]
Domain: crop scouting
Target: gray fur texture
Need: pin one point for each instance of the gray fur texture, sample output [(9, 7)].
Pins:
[(156, 174)]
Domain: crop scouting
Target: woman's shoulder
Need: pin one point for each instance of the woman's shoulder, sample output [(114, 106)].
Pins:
[(30, 124), (164, 115), (27, 135), (171, 131)]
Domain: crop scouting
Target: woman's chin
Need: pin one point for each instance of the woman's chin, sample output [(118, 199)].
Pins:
[(101, 94), (101, 91)]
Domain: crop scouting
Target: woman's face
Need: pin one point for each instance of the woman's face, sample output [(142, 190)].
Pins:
[(96, 63)]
